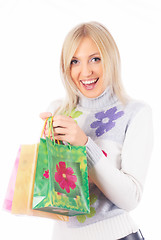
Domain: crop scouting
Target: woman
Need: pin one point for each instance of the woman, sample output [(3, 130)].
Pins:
[(116, 130)]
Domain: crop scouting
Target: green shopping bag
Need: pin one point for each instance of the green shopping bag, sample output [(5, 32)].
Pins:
[(61, 179)]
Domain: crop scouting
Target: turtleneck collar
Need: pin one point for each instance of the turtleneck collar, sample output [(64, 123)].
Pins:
[(107, 98)]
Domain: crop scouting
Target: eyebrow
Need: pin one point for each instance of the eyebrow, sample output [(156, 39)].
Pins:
[(97, 53)]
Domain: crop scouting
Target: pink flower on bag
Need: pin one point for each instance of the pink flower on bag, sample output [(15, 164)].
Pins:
[(64, 176), (46, 174)]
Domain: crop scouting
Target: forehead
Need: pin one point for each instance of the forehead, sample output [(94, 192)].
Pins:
[(86, 48)]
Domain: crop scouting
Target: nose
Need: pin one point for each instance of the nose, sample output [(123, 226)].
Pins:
[(86, 70)]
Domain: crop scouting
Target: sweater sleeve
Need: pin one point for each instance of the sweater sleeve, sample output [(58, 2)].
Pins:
[(124, 186)]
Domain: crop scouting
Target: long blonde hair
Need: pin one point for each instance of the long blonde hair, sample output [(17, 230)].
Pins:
[(110, 58)]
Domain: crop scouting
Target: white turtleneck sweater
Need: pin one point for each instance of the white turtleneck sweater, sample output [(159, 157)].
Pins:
[(118, 153)]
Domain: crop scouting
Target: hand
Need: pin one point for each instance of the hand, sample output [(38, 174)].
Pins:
[(66, 129)]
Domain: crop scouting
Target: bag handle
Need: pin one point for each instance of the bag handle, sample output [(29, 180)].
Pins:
[(49, 121), (44, 127), (50, 127)]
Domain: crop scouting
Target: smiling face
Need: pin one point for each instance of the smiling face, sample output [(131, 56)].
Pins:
[(87, 70)]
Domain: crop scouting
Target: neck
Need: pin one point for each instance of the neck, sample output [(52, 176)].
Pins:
[(107, 98)]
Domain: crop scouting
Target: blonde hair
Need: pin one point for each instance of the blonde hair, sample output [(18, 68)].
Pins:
[(110, 58)]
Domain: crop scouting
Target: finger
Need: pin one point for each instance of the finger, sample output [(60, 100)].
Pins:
[(60, 130), (45, 115), (62, 121), (62, 138), (61, 117)]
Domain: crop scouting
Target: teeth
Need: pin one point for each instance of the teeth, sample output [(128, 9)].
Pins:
[(89, 82)]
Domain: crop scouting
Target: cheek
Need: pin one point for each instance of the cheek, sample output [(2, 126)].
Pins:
[(100, 70), (73, 74), (97, 69)]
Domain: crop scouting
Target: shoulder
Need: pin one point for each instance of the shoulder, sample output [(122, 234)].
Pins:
[(138, 113), (136, 107), (54, 105)]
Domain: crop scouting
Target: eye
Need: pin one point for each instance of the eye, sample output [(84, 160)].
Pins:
[(95, 59), (73, 62)]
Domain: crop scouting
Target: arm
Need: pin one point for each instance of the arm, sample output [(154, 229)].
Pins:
[(124, 186)]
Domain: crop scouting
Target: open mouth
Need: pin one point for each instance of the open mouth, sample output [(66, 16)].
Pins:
[(89, 84)]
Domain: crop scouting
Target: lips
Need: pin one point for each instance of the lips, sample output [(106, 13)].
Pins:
[(89, 84)]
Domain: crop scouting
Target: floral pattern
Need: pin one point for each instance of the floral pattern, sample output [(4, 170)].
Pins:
[(82, 218), (64, 176), (46, 174), (106, 121), (74, 114)]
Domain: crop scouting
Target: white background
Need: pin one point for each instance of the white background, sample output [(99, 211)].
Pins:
[(31, 37)]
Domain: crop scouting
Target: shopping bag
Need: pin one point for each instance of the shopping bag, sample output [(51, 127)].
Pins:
[(23, 191), (61, 180), (7, 205), (23, 186)]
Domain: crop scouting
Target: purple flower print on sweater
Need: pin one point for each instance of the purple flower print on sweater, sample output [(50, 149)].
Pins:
[(106, 120)]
